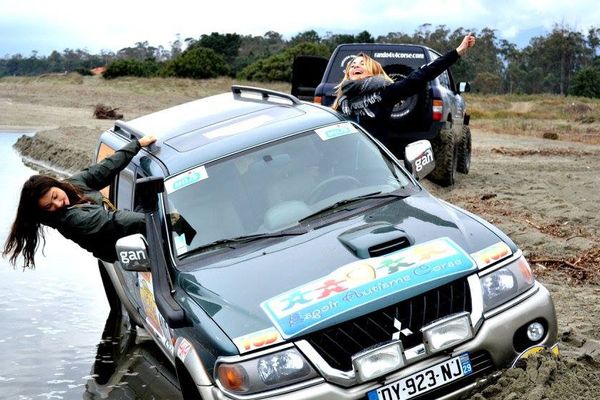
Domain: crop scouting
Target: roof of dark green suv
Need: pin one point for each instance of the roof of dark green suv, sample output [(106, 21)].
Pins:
[(210, 128)]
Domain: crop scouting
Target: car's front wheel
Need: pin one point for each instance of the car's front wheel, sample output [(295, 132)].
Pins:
[(444, 153)]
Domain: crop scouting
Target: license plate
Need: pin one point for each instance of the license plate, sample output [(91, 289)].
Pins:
[(424, 381)]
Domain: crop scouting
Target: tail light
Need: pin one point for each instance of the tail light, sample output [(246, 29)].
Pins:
[(318, 99), (438, 108)]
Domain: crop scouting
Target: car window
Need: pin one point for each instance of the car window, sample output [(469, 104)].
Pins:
[(412, 58), (272, 187), (125, 189)]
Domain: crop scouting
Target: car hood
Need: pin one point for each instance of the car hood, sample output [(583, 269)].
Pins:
[(258, 296)]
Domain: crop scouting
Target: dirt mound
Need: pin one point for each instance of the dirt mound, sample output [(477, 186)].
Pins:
[(69, 149), (543, 376)]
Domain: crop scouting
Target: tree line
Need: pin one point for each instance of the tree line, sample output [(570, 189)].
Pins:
[(564, 61)]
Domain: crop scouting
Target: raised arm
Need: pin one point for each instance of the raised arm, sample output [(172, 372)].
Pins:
[(102, 174), (417, 79)]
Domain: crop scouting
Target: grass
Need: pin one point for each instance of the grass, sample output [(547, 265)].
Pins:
[(553, 116)]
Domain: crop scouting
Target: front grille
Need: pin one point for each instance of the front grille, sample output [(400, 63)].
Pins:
[(337, 344)]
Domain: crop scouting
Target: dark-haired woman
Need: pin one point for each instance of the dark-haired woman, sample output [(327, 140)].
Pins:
[(76, 208)]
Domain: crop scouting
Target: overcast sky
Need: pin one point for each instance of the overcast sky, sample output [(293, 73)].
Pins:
[(46, 25)]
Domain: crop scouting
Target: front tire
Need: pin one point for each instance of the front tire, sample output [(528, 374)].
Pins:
[(444, 153), (463, 163)]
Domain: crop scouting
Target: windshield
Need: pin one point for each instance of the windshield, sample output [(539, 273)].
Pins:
[(272, 187)]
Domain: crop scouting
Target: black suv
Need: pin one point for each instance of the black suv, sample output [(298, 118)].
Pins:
[(437, 114)]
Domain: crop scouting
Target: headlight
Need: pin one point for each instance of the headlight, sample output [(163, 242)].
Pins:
[(506, 283), (268, 372)]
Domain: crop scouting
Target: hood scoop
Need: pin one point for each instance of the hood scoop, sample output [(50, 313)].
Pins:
[(375, 240)]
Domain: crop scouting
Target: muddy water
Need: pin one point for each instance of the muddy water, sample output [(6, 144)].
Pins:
[(52, 320)]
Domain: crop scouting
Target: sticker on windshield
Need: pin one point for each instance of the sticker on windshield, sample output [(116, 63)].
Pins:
[(334, 131), (180, 244), (185, 179), (369, 284), (491, 254)]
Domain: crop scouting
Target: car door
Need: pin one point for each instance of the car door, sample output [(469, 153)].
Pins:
[(307, 73)]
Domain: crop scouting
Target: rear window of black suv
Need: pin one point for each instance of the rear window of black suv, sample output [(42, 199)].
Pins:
[(412, 57)]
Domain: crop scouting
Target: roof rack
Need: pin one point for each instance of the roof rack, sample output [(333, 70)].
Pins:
[(265, 93), (122, 128)]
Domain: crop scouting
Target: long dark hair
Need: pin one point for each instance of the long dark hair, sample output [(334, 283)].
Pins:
[(27, 230)]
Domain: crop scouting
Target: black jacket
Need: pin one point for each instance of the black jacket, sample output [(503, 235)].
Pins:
[(92, 226), (381, 109)]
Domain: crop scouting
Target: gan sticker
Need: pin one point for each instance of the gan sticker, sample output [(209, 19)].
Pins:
[(334, 131), (491, 254), (186, 179), (257, 340), (369, 284)]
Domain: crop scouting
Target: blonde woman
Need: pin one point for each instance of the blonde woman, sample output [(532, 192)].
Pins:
[(368, 95)]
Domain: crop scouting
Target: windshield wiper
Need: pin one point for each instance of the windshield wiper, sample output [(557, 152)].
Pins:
[(229, 242), (335, 206)]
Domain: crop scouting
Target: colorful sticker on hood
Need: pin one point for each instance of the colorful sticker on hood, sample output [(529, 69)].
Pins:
[(395, 276), (257, 340), (491, 254)]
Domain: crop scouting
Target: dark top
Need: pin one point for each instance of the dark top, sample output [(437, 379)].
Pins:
[(92, 226), (381, 109)]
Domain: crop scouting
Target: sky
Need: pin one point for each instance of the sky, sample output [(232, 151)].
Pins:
[(110, 25)]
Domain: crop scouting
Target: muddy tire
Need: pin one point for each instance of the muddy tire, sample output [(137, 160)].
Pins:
[(444, 153), (463, 163)]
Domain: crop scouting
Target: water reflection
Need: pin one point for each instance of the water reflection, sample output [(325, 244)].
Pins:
[(129, 368), (51, 318)]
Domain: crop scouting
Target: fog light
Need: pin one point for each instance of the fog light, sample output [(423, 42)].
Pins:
[(374, 363), (535, 331), (447, 332)]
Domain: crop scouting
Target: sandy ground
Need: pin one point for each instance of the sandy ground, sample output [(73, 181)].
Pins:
[(544, 194)]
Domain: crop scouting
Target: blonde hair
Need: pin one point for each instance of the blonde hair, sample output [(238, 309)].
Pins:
[(371, 66)]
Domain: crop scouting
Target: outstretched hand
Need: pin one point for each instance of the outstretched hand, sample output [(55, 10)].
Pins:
[(467, 42), (147, 140)]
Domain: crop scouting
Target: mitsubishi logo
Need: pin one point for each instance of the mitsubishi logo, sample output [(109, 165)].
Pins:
[(398, 326)]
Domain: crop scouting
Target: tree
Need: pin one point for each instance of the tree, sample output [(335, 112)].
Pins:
[(278, 67), (364, 37), (586, 83), (305, 37), (226, 45), (197, 63)]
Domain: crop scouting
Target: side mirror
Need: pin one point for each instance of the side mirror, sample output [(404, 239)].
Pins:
[(464, 87), (132, 252), (418, 158)]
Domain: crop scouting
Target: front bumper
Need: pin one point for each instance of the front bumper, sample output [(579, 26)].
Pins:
[(494, 337)]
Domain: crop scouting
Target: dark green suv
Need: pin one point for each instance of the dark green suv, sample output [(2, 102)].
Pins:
[(288, 255)]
